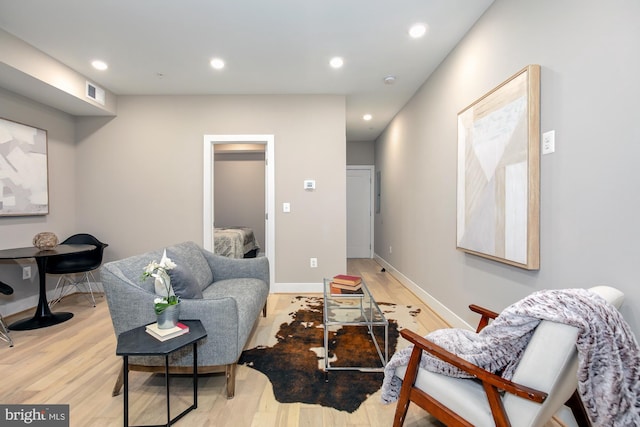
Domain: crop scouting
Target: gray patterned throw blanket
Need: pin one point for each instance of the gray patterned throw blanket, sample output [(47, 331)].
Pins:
[(608, 353)]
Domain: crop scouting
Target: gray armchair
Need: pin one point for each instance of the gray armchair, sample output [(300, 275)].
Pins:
[(234, 293)]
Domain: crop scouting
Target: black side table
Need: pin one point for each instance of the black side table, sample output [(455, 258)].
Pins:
[(137, 342)]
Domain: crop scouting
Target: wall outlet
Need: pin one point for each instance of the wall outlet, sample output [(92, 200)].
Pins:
[(313, 262), (26, 272), (549, 142)]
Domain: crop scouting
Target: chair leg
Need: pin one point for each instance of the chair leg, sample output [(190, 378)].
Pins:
[(4, 332), (231, 380), (59, 290), (578, 410), (119, 382), (404, 399), (65, 281), (264, 310), (86, 276)]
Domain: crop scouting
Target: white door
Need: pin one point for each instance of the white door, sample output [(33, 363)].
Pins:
[(359, 211)]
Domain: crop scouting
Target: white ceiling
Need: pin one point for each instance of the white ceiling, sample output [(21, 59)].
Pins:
[(270, 46)]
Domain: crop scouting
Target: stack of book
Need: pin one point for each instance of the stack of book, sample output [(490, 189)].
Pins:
[(345, 285), (166, 334)]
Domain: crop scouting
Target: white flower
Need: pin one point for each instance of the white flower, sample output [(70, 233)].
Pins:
[(149, 269), (163, 289), (165, 262)]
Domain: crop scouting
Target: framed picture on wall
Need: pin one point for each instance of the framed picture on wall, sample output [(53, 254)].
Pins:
[(24, 184), (498, 194)]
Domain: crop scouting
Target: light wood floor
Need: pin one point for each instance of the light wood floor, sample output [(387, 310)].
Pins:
[(75, 363)]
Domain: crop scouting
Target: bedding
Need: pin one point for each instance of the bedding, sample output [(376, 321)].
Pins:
[(235, 242)]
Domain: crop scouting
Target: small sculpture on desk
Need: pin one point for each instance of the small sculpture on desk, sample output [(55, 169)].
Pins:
[(45, 240)]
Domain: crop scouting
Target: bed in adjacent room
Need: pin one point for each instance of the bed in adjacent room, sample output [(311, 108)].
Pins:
[(235, 242)]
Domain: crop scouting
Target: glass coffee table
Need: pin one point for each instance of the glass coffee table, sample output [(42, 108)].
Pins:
[(354, 310)]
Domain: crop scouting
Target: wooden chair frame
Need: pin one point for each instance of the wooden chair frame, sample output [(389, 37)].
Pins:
[(491, 383)]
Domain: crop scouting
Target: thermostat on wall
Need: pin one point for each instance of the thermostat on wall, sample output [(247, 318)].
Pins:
[(309, 184)]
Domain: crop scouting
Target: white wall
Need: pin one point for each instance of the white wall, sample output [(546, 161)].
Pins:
[(590, 186)]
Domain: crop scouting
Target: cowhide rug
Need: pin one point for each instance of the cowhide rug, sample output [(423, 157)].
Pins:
[(293, 359)]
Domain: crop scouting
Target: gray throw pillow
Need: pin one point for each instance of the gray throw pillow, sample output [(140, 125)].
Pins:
[(184, 283)]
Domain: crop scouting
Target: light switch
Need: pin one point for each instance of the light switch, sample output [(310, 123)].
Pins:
[(286, 207)]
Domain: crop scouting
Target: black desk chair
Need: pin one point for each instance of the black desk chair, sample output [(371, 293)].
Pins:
[(4, 331), (71, 265)]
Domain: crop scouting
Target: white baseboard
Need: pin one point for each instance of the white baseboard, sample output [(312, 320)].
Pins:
[(441, 310), (23, 304), (31, 302), (286, 288), (293, 288)]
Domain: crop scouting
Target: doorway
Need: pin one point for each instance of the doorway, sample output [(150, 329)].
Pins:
[(239, 191), (360, 211), (210, 141)]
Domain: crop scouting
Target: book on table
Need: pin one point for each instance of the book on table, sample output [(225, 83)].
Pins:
[(345, 279), (166, 334), (341, 292), (347, 287)]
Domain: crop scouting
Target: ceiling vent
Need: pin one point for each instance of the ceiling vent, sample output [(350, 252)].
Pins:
[(96, 93)]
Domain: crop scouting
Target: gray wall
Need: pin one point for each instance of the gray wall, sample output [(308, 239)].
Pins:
[(590, 187), (361, 152), (239, 194), (19, 231), (140, 182), (136, 182)]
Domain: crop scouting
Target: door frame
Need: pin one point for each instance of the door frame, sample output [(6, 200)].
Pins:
[(371, 170), (208, 188)]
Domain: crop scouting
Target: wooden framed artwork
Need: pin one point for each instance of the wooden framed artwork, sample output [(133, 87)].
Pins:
[(498, 189), (24, 186)]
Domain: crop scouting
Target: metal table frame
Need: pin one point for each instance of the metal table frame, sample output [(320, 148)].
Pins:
[(370, 315)]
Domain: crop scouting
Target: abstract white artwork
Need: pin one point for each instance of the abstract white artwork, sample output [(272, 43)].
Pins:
[(23, 170), (498, 173)]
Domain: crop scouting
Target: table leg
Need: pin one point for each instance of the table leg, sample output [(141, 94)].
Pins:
[(195, 375), (125, 369), (43, 316), (326, 351), (166, 371), (386, 344)]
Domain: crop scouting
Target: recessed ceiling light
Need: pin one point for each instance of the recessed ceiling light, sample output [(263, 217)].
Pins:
[(336, 62), (367, 117), (389, 80), (99, 65), (418, 30), (217, 63)]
